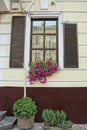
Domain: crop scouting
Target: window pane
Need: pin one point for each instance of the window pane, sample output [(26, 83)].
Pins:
[(50, 27), (38, 27), (14, 1), (37, 55), (50, 54), (37, 41), (50, 41)]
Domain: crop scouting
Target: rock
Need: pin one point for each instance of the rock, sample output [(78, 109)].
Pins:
[(4, 125), (2, 114), (11, 119)]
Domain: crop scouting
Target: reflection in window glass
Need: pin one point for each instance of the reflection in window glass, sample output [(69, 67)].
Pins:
[(37, 55), (50, 41), (37, 41), (38, 27), (50, 27), (50, 54)]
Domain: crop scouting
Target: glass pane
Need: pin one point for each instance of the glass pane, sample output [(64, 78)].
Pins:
[(50, 42), (50, 27), (37, 55), (50, 54), (38, 27), (15, 1), (37, 41)]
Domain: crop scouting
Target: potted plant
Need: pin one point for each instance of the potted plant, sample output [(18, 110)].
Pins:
[(40, 70), (25, 109), (56, 120)]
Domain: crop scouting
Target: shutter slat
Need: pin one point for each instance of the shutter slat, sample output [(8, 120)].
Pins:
[(17, 42), (70, 46)]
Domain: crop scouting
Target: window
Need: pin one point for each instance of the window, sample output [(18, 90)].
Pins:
[(14, 4), (44, 40)]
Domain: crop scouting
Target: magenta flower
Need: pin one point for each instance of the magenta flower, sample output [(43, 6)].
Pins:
[(41, 69), (43, 80), (37, 65)]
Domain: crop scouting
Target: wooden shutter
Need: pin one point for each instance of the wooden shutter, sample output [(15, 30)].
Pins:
[(70, 46), (17, 42)]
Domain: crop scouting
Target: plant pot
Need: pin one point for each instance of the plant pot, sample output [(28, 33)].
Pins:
[(25, 123), (68, 129), (55, 128), (46, 127)]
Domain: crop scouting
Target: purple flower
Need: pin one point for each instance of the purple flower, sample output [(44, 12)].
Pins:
[(40, 70), (43, 80), (37, 65)]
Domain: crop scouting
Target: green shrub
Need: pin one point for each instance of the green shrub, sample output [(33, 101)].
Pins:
[(24, 108), (48, 115), (56, 118), (66, 124)]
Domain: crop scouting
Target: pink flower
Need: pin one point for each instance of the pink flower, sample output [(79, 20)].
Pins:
[(39, 72), (43, 80), (53, 71), (37, 65), (41, 69), (48, 61)]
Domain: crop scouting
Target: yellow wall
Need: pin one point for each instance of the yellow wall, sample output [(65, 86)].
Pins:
[(73, 12)]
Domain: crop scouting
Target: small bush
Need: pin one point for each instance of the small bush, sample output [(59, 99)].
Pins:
[(24, 108), (56, 118)]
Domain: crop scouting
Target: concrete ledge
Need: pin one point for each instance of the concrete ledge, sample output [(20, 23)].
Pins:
[(38, 126)]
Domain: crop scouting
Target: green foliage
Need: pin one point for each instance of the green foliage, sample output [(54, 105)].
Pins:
[(48, 116), (60, 117), (24, 108), (46, 127), (66, 124), (56, 118)]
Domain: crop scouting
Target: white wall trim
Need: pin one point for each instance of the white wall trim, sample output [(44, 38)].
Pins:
[(26, 49), (61, 45), (27, 42), (44, 14), (2, 63)]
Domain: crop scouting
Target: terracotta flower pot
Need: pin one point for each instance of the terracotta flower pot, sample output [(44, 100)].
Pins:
[(55, 128), (25, 123), (68, 129)]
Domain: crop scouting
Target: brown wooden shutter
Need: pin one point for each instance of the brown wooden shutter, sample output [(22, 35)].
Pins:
[(70, 46), (17, 42)]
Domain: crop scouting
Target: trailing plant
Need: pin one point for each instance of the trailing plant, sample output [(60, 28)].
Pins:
[(24, 108), (41, 69)]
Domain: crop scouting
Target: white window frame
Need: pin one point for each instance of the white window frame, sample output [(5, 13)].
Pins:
[(28, 34)]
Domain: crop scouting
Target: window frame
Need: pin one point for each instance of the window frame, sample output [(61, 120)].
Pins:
[(44, 35), (28, 36)]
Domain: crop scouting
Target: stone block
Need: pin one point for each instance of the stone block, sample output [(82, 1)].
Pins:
[(11, 119), (4, 125), (2, 114)]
